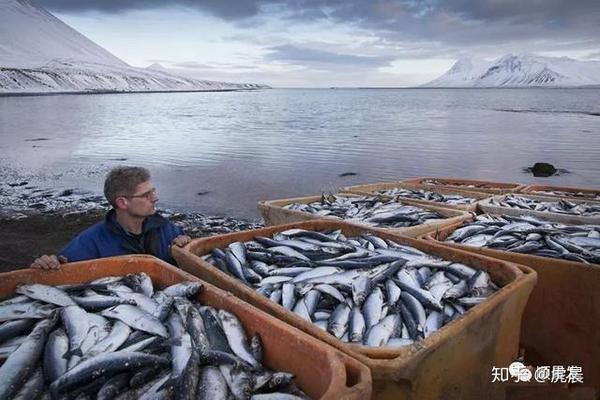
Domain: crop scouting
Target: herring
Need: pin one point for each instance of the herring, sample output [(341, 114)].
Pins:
[(350, 284)]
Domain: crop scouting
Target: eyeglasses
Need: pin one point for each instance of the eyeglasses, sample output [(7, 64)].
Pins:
[(147, 195)]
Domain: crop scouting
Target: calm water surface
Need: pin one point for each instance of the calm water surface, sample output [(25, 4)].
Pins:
[(245, 146)]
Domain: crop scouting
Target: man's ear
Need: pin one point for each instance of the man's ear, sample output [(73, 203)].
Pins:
[(120, 203)]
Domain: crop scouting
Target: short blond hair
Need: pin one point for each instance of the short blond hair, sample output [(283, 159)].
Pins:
[(122, 181)]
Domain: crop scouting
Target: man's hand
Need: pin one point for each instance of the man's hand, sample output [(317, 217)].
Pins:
[(48, 262), (181, 240)]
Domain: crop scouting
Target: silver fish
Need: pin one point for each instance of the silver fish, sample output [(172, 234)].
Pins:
[(77, 324), (45, 293), (212, 384), (372, 308), (106, 363), (356, 325), (338, 322), (137, 319), (236, 337), (23, 360), (380, 333)]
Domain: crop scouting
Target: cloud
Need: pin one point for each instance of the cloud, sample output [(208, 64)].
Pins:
[(480, 27), (216, 66), (192, 65), (228, 10), (309, 57)]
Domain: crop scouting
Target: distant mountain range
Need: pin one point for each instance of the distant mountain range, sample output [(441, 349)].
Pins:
[(520, 71), (40, 53)]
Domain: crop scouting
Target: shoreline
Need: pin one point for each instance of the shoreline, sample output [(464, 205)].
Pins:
[(100, 92), (24, 94)]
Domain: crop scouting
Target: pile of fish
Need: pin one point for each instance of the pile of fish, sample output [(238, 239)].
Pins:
[(560, 206), (421, 194), (530, 235), (561, 193), (116, 338), (365, 290), (442, 182), (197, 224), (375, 211)]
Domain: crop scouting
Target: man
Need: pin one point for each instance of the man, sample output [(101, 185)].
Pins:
[(132, 226)]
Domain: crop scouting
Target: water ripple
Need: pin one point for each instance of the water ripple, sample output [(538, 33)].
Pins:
[(248, 146)]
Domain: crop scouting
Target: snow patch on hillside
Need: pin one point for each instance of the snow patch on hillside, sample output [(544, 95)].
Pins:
[(40, 53), (520, 71)]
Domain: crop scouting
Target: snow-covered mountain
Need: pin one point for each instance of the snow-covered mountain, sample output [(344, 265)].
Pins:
[(40, 53), (520, 71)]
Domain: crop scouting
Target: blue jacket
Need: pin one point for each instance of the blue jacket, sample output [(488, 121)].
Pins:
[(108, 238)]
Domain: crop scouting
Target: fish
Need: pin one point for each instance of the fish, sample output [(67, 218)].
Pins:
[(338, 322), (45, 293), (373, 307), (106, 363), (238, 381), (360, 289), (212, 384), (531, 235), (12, 329), (23, 361), (99, 302), (589, 195), (55, 360), (77, 325), (378, 211), (427, 195), (380, 333), (141, 283), (136, 318), (356, 282), (560, 206), (28, 310), (356, 325), (115, 352), (236, 337), (33, 387), (184, 289)]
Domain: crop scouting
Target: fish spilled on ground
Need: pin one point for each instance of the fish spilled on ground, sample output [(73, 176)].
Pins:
[(561, 206), (118, 338), (377, 211), (365, 290), (531, 235), (421, 194)]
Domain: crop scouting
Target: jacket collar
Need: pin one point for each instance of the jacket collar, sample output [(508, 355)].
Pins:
[(151, 222)]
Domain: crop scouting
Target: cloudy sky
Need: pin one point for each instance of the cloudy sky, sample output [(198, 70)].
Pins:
[(322, 43)]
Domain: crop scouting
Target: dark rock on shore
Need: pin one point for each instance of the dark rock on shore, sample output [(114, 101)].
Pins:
[(544, 170), (541, 169)]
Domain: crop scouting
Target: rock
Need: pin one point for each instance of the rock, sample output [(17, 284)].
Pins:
[(541, 169)]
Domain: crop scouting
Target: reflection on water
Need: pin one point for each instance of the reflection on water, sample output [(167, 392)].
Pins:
[(246, 146)]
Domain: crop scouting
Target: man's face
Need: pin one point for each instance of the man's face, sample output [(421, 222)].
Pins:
[(142, 202)]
